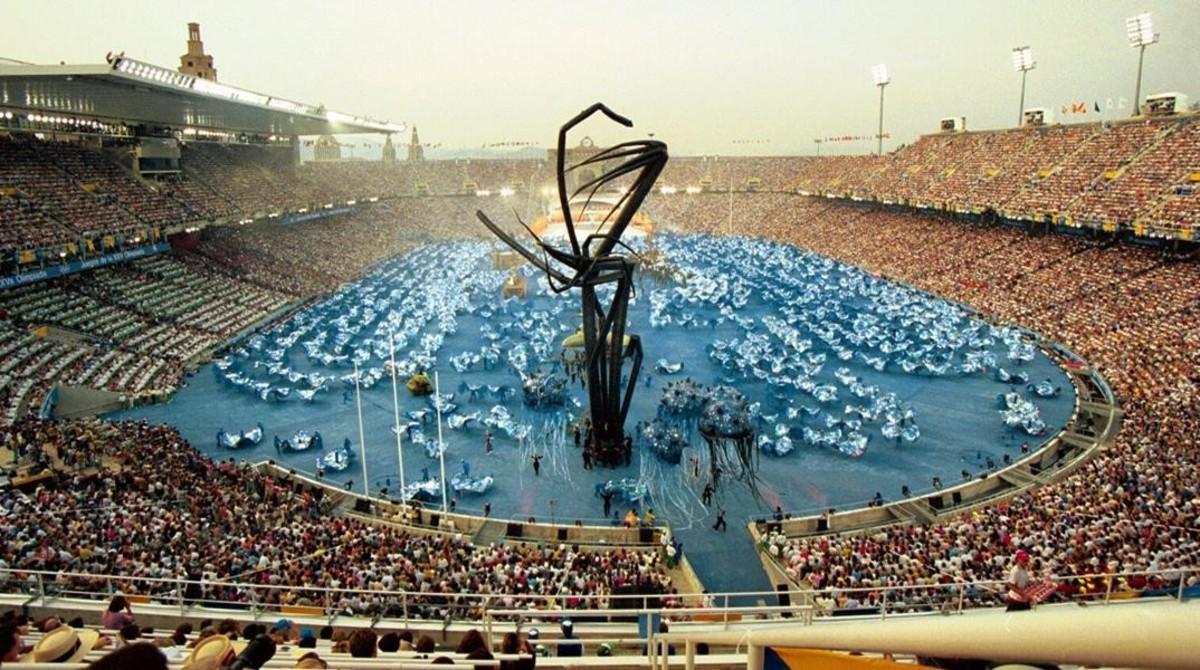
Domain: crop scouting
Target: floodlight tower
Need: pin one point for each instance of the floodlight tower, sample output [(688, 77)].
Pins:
[(1023, 62), (882, 79), (1141, 35)]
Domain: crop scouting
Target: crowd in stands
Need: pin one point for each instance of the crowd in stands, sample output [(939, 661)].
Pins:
[(113, 184), (495, 174), (258, 180), (316, 256), (120, 643), (1140, 171), (1143, 182), (51, 203), (29, 366), (188, 517), (130, 328), (1132, 312)]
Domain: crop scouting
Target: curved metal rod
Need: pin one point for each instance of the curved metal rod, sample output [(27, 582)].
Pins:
[(520, 248), (632, 199), (630, 148), (619, 207), (562, 161)]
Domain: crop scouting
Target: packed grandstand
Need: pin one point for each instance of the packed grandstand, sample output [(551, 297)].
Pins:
[(1082, 234)]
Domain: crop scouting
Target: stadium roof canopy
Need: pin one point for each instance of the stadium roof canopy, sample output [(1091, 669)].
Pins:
[(132, 92)]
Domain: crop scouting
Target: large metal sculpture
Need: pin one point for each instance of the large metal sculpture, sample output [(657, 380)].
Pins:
[(593, 263)]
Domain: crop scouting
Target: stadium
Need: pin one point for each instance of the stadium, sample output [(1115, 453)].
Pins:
[(576, 402)]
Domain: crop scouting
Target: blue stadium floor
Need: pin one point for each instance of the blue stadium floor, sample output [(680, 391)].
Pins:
[(959, 423)]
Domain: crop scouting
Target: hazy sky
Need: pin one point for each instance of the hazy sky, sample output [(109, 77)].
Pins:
[(698, 74)]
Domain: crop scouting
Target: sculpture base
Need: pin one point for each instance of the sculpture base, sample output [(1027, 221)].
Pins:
[(610, 453)]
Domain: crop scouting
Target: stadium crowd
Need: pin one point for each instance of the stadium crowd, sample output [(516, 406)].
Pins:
[(134, 328), (1131, 311), (1140, 172), (120, 643), (317, 256), (130, 329), (111, 515)]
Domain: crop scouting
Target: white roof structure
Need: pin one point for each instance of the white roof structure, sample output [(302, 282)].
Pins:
[(128, 91)]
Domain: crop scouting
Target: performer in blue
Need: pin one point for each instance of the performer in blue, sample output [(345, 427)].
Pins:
[(424, 474), (466, 468)]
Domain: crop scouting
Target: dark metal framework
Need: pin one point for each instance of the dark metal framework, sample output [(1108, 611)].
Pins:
[(591, 264)]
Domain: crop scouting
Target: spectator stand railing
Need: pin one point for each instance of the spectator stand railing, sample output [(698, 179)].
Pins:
[(430, 517), (193, 599)]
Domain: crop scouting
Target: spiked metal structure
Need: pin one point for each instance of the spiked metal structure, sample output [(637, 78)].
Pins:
[(591, 264)]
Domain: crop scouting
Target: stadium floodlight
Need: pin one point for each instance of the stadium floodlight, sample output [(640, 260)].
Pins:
[(880, 73), (1023, 62), (1141, 30), (1141, 33), (882, 79), (1023, 59)]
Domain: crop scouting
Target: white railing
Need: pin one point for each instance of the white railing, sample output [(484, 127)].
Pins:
[(193, 597)]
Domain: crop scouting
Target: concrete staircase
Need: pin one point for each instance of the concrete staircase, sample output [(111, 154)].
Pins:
[(80, 401), (491, 531), (913, 510)]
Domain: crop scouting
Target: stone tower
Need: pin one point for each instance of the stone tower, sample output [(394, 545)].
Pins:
[(195, 62), (327, 149), (415, 151), (389, 150)]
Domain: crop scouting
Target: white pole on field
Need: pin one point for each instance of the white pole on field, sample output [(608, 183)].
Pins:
[(362, 443), (437, 405), (396, 413)]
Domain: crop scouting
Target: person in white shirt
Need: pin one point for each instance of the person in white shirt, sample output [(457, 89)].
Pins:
[(1018, 580)]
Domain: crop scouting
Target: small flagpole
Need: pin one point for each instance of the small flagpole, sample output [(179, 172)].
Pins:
[(437, 404), (362, 443), (396, 413)]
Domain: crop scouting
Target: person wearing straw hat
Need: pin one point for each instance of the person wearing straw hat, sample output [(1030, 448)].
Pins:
[(211, 653), (64, 645), (311, 659)]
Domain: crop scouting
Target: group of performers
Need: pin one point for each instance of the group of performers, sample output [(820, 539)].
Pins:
[(612, 455)]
